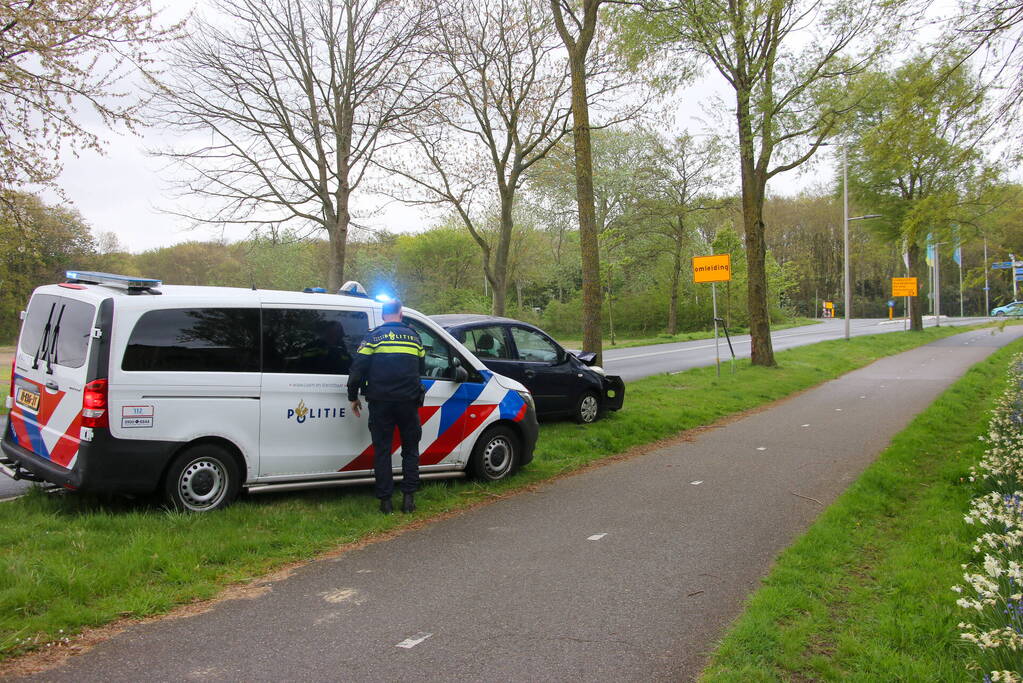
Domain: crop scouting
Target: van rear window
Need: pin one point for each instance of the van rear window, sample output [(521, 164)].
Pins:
[(75, 319), (195, 340)]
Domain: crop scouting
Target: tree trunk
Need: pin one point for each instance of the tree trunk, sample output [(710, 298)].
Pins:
[(500, 272), (916, 317), (338, 243), (588, 243), (676, 276), (754, 182)]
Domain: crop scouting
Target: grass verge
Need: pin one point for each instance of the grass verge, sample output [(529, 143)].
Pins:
[(684, 336), (865, 593), (73, 561)]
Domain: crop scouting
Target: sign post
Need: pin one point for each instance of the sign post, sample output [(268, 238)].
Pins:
[(714, 269)]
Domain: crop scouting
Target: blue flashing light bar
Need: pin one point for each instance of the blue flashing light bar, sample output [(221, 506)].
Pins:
[(383, 298), (111, 279)]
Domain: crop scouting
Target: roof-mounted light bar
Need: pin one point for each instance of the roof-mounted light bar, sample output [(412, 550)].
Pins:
[(112, 280)]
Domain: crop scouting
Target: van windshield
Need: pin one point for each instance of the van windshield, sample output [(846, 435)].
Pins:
[(75, 329)]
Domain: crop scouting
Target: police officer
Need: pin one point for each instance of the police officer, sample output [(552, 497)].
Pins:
[(387, 366)]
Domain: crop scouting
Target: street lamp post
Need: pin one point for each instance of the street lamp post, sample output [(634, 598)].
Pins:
[(845, 234)]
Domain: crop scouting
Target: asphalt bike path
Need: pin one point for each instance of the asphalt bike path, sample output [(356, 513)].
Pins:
[(628, 571)]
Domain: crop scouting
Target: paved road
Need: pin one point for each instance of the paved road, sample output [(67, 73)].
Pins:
[(643, 361), (626, 572)]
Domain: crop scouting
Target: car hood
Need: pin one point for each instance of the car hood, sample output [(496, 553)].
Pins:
[(509, 383)]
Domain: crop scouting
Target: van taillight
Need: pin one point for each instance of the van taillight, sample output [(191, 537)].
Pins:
[(94, 404), (13, 365)]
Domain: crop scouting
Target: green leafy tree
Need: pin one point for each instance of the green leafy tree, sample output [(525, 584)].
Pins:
[(916, 156), (38, 242), (787, 63)]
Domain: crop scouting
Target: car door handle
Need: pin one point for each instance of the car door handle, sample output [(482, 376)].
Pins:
[(530, 373), (52, 386)]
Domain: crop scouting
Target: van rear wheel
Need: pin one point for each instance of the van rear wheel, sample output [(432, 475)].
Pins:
[(201, 479), (495, 455)]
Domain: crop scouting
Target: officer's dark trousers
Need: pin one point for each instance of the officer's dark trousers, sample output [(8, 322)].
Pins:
[(384, 416)]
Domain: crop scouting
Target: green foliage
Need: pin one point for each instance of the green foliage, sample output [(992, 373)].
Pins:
[(37, 243)]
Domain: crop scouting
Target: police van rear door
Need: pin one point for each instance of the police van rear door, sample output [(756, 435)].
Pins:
[(50, 373)]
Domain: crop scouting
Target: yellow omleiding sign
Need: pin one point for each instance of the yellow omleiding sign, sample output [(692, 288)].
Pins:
[(717, 268), (903, 286)]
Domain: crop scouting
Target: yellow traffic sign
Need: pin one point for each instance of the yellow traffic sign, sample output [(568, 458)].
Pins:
[(903, 286), (717, 268)]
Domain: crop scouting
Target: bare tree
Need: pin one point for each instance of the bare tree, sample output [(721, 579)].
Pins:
[(503, 108), (55, 57), (291, 99)]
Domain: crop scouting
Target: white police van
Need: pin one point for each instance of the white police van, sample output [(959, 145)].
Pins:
[(124, 385)]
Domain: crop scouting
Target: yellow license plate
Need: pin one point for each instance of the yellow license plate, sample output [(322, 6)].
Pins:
[(29, 399)]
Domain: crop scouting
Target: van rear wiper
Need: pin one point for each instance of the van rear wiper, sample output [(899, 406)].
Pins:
[(53, 341), (46, 336)]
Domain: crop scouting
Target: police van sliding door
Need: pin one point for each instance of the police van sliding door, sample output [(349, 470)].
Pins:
[(306, 426)]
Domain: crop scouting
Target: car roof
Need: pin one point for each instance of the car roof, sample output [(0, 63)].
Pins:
[(449, 320)]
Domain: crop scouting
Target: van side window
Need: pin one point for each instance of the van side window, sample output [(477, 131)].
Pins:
[(75, 319), (311, 341), (195, 340)]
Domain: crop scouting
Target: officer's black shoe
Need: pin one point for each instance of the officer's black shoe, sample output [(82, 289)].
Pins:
[(385, 506), (408, 503)]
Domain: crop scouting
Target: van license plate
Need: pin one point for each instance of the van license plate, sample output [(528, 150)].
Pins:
[(29, 399)]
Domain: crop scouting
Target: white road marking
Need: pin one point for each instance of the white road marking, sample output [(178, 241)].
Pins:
[(862, 396), (412, 641), (838, 410), (761, 448), (697, 482), (364, 571), (342, 595), (805, 425), (596, 537)]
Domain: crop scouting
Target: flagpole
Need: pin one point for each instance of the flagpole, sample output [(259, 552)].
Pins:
[(987, 287)]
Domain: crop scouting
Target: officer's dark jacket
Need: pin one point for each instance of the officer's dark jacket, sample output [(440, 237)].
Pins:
[(388, 364)]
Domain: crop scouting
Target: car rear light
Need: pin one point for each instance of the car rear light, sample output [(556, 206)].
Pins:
[(14, 363), (94, 404)]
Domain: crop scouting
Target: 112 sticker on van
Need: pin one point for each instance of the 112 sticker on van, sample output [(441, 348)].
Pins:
[(133, 417)]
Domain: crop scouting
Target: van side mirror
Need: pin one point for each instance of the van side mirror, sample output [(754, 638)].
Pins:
[(461, 374)]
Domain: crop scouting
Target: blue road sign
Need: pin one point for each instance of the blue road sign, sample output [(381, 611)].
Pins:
[(1003, 264)]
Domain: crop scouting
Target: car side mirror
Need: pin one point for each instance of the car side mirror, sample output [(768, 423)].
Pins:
[(461, 374)]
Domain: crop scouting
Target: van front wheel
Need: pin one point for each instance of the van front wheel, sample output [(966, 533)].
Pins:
[(201, 479), (495, 455)]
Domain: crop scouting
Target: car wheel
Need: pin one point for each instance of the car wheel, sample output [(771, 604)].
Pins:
[(587, 408), (999, 314), (201, 479), (495, 455)]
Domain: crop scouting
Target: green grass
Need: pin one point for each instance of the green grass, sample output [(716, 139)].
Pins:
[(865, 593), (630, 342), (72, 561)]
